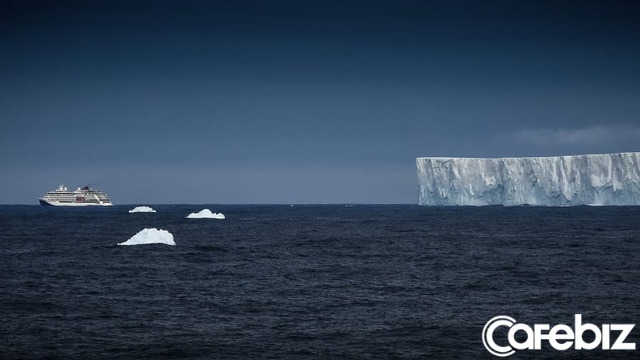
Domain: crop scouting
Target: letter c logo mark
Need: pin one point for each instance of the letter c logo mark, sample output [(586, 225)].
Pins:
[(487, 336)]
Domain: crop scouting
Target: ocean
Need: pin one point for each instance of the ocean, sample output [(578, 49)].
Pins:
[(311, 281)]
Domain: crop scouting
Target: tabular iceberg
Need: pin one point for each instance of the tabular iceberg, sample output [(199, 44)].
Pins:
[(602, 179)]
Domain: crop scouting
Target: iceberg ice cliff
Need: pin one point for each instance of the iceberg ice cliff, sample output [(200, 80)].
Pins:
[(603, 179)]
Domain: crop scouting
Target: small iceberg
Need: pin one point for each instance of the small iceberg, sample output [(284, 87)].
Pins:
[(206, 214), (151, 236), (141, 209)]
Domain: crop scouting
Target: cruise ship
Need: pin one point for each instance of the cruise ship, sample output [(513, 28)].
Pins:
[(80, 197)]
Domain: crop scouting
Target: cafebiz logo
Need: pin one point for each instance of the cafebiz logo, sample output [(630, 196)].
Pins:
[(560, 337)]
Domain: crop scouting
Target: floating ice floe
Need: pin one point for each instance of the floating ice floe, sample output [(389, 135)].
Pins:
[(205, 214), (150, 236), (142, 209)]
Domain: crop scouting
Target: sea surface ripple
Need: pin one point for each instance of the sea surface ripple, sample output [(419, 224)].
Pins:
[(309, 282)]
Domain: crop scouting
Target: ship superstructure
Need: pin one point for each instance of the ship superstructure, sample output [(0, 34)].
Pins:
[(80, 197)]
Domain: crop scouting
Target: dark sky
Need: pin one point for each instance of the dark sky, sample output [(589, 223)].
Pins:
[(302, 101)]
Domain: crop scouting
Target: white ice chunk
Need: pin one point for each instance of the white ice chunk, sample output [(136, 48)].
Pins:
[(151, 236), (142, 209), (206, 214)]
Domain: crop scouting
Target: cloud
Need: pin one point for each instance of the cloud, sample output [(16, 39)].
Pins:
[(588, 136)]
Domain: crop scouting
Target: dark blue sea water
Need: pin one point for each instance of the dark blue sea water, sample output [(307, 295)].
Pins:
[(309, 282)]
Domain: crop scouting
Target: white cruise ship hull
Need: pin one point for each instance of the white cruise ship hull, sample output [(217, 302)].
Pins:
[(58, 203), (80, 197)]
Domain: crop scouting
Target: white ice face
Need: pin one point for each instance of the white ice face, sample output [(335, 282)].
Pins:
[(607, 179), (206, 214), (150, 236), (142, 209)]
